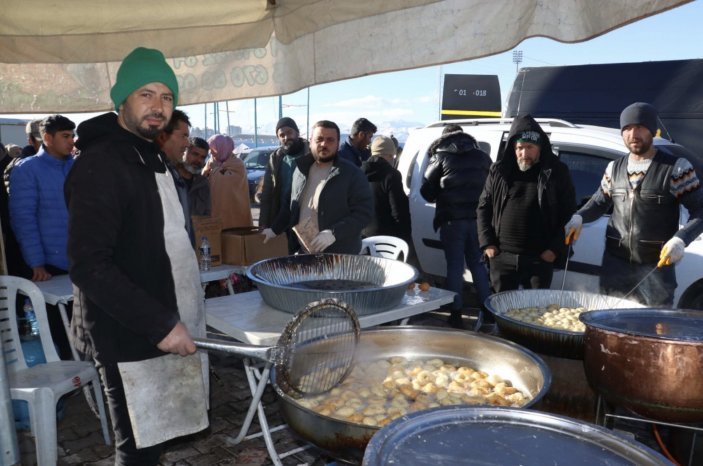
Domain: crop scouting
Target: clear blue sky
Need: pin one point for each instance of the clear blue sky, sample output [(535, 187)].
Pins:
[(411, 98)]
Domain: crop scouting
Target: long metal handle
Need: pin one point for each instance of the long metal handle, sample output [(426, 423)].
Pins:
[(566, 266), (640, 282), (258, 352)]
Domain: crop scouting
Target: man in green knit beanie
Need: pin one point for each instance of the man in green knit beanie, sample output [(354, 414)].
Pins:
[(138, 297)]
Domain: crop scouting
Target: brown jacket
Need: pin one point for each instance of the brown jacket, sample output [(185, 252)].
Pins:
[(229, 194)]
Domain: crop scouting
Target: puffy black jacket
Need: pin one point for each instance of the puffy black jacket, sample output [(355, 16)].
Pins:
[(454, 177), (392, 213)]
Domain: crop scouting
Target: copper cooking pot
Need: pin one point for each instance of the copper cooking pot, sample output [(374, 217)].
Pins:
[(649, 361)]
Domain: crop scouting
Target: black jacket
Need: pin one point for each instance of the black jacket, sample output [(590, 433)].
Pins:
[(125, 296), (348, 152), (392, 212), (454, 177), (274, 210), (345, 204), (556, 194)]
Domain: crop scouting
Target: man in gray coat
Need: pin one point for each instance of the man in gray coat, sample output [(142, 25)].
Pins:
[(331, 199)]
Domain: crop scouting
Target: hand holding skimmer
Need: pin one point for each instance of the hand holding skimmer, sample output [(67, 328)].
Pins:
[(315, 352)]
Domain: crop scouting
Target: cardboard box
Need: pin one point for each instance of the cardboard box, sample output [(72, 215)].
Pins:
[(212, 228), (244, 246)]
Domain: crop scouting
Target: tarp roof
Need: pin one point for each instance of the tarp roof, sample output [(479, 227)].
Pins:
[(63, 56)]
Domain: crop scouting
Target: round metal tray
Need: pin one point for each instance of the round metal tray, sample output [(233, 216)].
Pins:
[(381, 282), (480, 436), (540, 338)]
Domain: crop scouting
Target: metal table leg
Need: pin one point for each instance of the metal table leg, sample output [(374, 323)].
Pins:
[(67, 327), (257, 384)]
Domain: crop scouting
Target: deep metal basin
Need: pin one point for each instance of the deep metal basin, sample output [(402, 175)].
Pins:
[(540, 338), (647, 360), (369, 284), (346, 441)]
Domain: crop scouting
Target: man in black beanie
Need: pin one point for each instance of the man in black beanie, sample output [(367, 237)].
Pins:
[(645, 191), (274, 215)]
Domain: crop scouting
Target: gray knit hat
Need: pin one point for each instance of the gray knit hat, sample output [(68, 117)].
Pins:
[(639, 113)]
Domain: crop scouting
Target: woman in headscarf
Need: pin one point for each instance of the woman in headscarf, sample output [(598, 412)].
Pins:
[(229, 191)]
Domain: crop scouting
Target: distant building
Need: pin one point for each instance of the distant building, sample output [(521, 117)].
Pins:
[(12, 131)]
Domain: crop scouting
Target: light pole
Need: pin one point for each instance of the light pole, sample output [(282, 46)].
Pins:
[(517, 59)]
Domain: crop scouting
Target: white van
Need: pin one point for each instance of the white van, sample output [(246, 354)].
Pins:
[(586, 150)]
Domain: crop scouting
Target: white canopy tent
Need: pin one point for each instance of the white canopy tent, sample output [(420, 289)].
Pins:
[(63, 56)]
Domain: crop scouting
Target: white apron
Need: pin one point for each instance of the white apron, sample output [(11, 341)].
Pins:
[(167, 396)]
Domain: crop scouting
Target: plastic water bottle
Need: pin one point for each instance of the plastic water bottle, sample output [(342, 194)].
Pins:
[(204, 254), (32, 324)]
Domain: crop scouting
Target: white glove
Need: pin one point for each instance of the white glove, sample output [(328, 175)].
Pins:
[(268, 234), (572, 230), (322, 241), (672, 252)]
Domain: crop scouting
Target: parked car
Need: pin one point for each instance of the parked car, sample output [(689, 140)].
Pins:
[(586, 150), (255, 162)]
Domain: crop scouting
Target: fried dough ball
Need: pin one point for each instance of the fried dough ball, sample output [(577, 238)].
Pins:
[(408, 391), (369, 421), (424, 377), (378, 392), (344, 412)]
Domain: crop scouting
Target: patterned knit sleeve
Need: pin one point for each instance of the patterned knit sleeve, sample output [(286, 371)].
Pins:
[(606, 183), (601, 201), (685, 186), (683, 178)]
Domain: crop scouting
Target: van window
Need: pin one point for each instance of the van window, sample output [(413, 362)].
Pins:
[(411, 169), (586, 172)]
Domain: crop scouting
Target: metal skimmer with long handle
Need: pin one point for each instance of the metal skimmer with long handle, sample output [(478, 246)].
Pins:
[(315, 352), (640, 282)]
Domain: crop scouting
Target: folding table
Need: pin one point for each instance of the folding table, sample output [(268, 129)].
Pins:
[(247, 318)]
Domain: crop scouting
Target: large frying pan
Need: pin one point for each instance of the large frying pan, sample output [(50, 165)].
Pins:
[(346, 441)]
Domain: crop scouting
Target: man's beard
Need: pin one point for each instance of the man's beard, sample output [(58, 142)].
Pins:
[(135, 125), (644, 146), (192, 169), (292, 147), (525, 165), (150, 132), (326, 159)]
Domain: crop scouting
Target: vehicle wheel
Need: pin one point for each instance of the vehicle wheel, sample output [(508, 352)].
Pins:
[(692, 298)]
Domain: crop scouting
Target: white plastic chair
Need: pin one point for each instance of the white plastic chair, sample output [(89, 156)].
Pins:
[(389, 247), (42, 385)]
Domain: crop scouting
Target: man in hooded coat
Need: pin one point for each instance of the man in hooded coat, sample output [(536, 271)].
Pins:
[(526, 201)]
